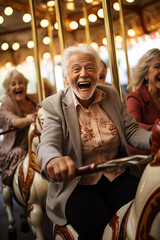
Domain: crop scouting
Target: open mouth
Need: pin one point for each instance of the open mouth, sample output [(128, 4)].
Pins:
[(18, 92), (158, 79), (83, 85)]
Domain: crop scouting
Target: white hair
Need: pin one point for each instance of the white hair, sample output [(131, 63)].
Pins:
[(86, 49), (13, 74)]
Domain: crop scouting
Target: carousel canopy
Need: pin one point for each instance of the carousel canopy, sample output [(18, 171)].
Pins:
[(141, 17)]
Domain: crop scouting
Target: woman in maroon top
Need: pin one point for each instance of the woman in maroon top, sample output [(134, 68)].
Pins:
[(144, 103)]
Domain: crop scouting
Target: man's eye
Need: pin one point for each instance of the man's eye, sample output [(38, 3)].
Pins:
[(75, 69), (90, 68)]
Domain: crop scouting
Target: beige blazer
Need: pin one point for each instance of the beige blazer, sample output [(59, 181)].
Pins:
[(61, 136)]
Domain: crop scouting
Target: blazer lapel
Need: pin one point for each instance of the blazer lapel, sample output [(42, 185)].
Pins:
[(73, 124), (110, 110)]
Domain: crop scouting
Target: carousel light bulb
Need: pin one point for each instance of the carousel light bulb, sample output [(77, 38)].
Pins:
[(94, 45), (70, 6), (8, 64), (82, 21), (30, 44), (26, 18), (133, 41), (147, 37), (118, 38), (104, 41), (46, 40), (130, 1), (88, 1), (157, 34), (29, 59), (131, 32), (92, 18), (51, 3), (58, 58), (8, 11), (56, 26), (15, 46), (46, 55), (116, 6), (102, 48), (100, 13), (4, 46), (73, 25), (1, 19), (19, 68), (140, 39), (44, 23)]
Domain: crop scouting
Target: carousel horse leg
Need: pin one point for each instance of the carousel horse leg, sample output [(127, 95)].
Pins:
[(36, 220), (24, 220), (8, 204)]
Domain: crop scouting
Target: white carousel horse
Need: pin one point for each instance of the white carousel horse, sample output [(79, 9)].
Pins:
[(29, 188), (140, 218)]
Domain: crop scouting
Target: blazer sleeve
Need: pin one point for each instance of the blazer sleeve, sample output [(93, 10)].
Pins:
[(51, 136)]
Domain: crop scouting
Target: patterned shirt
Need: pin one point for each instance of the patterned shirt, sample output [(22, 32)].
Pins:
[(99, 138)]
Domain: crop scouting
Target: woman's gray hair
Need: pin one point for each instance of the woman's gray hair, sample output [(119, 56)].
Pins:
[(86, 49), (13, 74), (137, 77)]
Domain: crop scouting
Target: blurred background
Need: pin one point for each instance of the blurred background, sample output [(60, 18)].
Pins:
[(82, 21)]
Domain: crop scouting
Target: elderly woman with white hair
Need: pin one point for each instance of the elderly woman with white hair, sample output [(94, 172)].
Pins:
[(18, 109), (87, 123)]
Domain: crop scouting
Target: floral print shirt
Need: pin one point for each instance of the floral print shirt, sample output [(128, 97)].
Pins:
[(99, 137)]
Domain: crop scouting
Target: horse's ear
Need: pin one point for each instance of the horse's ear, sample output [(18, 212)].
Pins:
[(156, 137), (38, 106)]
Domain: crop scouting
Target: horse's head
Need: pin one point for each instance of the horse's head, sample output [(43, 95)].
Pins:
[(39, 120), (35, 130)]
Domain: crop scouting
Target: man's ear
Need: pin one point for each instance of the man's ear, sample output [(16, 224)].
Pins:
[(66, 80)]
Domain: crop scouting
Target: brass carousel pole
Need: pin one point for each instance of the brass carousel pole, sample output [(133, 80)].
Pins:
[(111, 45), (50, 33), (41, 93), (61, 25), (88, 39), (124, 37)]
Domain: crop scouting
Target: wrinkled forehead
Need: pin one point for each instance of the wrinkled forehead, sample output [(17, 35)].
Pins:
[(80, 58)]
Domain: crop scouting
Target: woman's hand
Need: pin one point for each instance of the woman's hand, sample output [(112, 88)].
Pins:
[(30, 118), (61, 169), (24, 122)]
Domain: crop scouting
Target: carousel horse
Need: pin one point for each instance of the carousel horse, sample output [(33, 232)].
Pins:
[(140, 218), (29, 188)]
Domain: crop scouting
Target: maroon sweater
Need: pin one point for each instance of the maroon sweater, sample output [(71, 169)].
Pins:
[(142, 108)]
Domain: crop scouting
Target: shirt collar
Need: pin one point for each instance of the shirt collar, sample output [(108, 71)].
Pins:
[(98, 96)]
